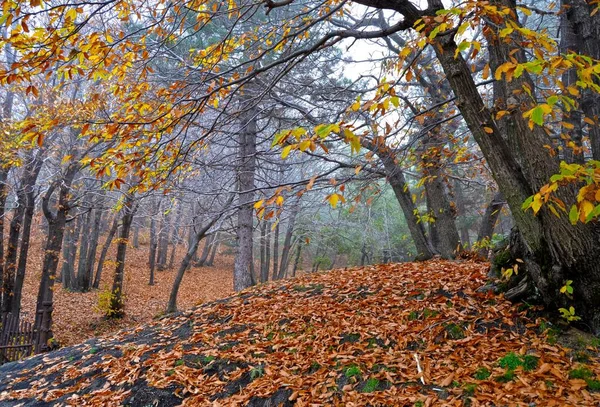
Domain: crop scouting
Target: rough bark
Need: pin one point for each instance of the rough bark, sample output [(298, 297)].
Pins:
[(264, 266), (559, 251), (443, 214), (242, 272), (586, 40)]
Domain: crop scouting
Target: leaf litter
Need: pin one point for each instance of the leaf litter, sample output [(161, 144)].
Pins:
[(395, 335)]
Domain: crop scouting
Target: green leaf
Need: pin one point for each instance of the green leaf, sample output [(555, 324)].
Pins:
[(537, 116), (573, 214)]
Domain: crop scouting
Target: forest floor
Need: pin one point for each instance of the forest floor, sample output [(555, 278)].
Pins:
[(77, 317), (351, 337)]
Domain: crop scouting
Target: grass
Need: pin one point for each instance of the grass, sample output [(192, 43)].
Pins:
[(352, 371), (257, 372), (512, 361), (371, 385), (470, 389), (482, 373), (586, 374)]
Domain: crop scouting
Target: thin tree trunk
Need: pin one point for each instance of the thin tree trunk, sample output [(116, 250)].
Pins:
[(205, 251), (185, 263), (287, 241), (3, 195), (117, 305), (109, 238), (298, 256), (490, 217), (54, 241), (275, 252), (264, 266), (84, 242), (93, 248), (213, 252), (152, 250)]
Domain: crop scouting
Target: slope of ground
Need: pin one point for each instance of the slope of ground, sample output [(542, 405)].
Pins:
[(352, 337), (77, 317)]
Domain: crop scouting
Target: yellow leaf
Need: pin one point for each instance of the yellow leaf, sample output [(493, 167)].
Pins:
[(279, 200), (286, 151), (333, 200), (537, 203), (488, 130), (258, 204)]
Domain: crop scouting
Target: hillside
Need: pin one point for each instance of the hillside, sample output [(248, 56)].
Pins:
[(350, 337)]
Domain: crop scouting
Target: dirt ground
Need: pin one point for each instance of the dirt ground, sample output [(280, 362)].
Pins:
[(76, 316)]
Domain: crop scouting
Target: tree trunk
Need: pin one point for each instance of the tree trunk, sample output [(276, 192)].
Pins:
[(93, 248), (152, 250), (264, 266), (298, 255), (56, 229), (109, 238), (21, 217), (83, 282), (3, 195), (213, 252), (586, 40), (275, 252), (242, 271), (116, 308), (205, 251), (559, 251), (490, 217), (193, 248), (287, 242)]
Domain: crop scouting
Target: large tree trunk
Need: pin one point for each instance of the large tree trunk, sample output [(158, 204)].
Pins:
[(447, 239), (559, 251), (242, 271), (69, 252), (117, 305), (585, 39)]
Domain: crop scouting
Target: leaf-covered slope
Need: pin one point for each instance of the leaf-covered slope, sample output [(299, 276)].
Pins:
[(346, 337)]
